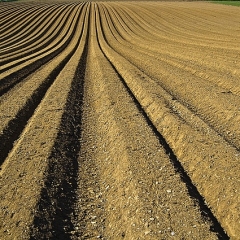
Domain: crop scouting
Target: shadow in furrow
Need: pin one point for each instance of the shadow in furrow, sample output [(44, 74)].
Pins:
[(11, 80), (192, 190), (32, 40), (11, 20), (17, 124), (55, 210)]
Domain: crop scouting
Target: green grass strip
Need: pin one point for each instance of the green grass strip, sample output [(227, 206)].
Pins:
[(232, 3)]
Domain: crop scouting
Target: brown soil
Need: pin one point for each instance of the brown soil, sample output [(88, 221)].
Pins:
[(119, 120)]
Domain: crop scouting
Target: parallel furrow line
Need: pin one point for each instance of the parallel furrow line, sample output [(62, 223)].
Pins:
[(39, 37), (18, 73), (114, 134), (63, 163), (7, 11), (217, 77), (22, 21), (27, 33), (11, 12), (39, 143), (209, 113), (37, 84), (176, 106), (161, 117)]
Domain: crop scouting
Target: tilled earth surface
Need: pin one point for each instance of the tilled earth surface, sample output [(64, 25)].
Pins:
[(119, 120)]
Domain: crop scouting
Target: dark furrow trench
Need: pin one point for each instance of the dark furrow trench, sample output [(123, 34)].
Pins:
[(192, 189), (41, 36), (175, 96), (11, 80), (17, 124), (55, 212)]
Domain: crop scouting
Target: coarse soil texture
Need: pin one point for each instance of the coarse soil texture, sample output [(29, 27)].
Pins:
[(119, 120)]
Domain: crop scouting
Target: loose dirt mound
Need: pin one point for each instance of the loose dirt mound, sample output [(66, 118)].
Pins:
[(119, 120)]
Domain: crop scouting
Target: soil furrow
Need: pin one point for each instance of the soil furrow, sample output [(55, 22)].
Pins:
[(175, 106), (57, 35), (28, 96), (34, 32), (119, 120), (43, 37), (21, 24), (13, 12), (20, 72), (116, 198), (208, 108), (8, 10), (198, 49), (12, 9), (55, 210), (224, 78), (181, 144), (22, 21), (182, 111), (37, 146)]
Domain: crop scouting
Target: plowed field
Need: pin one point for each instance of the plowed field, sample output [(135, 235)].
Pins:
[(119, 120)]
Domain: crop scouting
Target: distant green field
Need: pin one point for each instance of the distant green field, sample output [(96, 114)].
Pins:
[(233, 3)]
